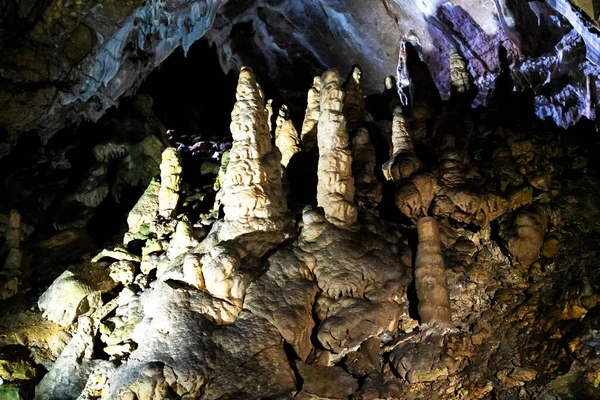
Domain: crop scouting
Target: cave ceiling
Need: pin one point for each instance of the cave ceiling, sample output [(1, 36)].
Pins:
[(63, 62)]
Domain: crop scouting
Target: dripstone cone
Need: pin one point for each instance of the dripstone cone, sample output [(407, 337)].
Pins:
[(430, 278), (404, 161), (311, 117), (252, 187), (286, 136), (335, 188)]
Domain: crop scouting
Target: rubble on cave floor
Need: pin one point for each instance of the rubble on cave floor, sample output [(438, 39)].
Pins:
[(471, 274)]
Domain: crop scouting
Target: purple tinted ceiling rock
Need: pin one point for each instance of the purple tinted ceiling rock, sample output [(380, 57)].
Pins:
[(64, 61), (289, 41)]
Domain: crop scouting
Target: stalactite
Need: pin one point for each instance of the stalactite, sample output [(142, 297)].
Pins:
[(430, 278), (335, 189), (311, 118), (286, 136)]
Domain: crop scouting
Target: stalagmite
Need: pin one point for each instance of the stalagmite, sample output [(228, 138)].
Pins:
[(335, 188), (368, 189), (286, 136), (354, 102), (13, 264), (404, 161), (170, 178), (252, 186), (269, 108), (459, 75), (430, 278), (311, 118)]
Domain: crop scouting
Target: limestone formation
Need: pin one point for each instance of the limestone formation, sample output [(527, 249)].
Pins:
[(14, 263), (286, 136), (368, 189), (67, 298), (430, 277), (145, 210), (170, 180), (252, 190), (335, 189), (459, 75), (354, 102), (308, 134), (524, 235), (404, 161)]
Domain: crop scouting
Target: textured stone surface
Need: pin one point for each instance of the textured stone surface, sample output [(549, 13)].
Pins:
[(335, 188)]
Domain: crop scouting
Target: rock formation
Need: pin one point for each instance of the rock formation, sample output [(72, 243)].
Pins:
[(335, 189), (430, 276), (404, 161), (170, 181), (368, 189), (252, 191), (324, 299), (460, 80), (308, 135), (354, 102), (286, 136)]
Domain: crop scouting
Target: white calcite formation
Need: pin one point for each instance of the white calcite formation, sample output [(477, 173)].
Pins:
[(308, 134), (404, 161), (335, 188), (170, 179), (286, 136), (252, 190)]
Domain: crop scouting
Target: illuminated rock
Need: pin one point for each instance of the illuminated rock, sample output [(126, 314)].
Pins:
[(252, 190), (308, 134), (404, 161), (286, 136), (170, 180), (335, 188)]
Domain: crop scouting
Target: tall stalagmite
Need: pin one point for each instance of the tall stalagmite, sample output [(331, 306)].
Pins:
[(252, 187), (170, 180), (368, 189), (430, 278), (286, 136), (404, 161), (354, 102), (459, 76), (311, 117), (335, 189)]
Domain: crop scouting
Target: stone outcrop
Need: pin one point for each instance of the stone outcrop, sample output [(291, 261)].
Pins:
[(335, 189)]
